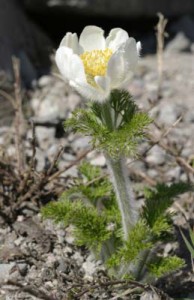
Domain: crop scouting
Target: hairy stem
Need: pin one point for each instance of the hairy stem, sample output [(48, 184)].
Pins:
[(119, 177), (124, 193), (140, 271)]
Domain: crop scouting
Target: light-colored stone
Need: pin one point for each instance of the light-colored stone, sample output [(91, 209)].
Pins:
[(178, 44), (5, 270), (156, 156)]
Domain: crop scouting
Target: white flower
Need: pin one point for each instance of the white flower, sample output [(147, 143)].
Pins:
[(94, 65)]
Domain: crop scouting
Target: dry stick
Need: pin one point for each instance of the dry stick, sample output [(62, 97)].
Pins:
[(163, 135), (73, 163), (43, 180), (8, 97), (181, 161), (112, 283), (32, 290), (32, 161), (125, 293), (55, 160), (18, 117), (160, 35), (144, 176)]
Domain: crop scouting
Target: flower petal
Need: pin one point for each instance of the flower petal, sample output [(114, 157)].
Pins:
[(116, 69), (131, 54), (90, 92), (116, 37), (92, 38), (138, 45), (70, 64), (70, 40), (103, 82), (125, 84), (122, 63)]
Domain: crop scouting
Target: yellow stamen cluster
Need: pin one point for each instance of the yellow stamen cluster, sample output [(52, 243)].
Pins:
[(95, 63)]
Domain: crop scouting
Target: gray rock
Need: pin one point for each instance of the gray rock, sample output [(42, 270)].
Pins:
[(78, 258), (173, 173), (189, 116), (45, 136), (81, 143), (71, 172), (153, 173), (4, 271), (53, 103), (169, 112), (187, 151), (23, 268), (156, 156), (68, 157), (40, 160), (178, 44), (151, 295), (124, 8), (97, 159), (90, 266)]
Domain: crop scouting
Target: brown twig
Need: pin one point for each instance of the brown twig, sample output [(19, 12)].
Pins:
[(8, 97), (180, 160), (55, 160), (162, 136), (32, 290), (160, 35), (40, 182), (73, 163), (19, 119), (31, 167), (144, 287), (145, 177)]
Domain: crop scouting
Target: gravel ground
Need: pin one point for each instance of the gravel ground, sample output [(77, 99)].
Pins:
[(39, 260)]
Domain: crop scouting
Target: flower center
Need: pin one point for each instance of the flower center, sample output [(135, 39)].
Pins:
[(95, 63)]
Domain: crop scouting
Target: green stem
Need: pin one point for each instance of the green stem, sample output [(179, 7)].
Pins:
[(124, 193), (120, 179), (140, 267), (107, 116)]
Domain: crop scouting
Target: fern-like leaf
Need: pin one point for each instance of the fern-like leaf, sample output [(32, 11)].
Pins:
[(138, 241), (165, 265), (159, 199)]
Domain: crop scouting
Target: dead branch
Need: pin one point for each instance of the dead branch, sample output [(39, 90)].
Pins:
[(19, 118), (73, 163), (160, 36), (32, 290), (124, 283)]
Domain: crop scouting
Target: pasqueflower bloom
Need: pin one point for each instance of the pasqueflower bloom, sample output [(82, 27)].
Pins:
[(94, 65)]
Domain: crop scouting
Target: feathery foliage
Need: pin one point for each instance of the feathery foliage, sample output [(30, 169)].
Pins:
[(159, 199), (90, 206), (138, 241), (165, 265), (115, 127), (91, 228), (128, 123)]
